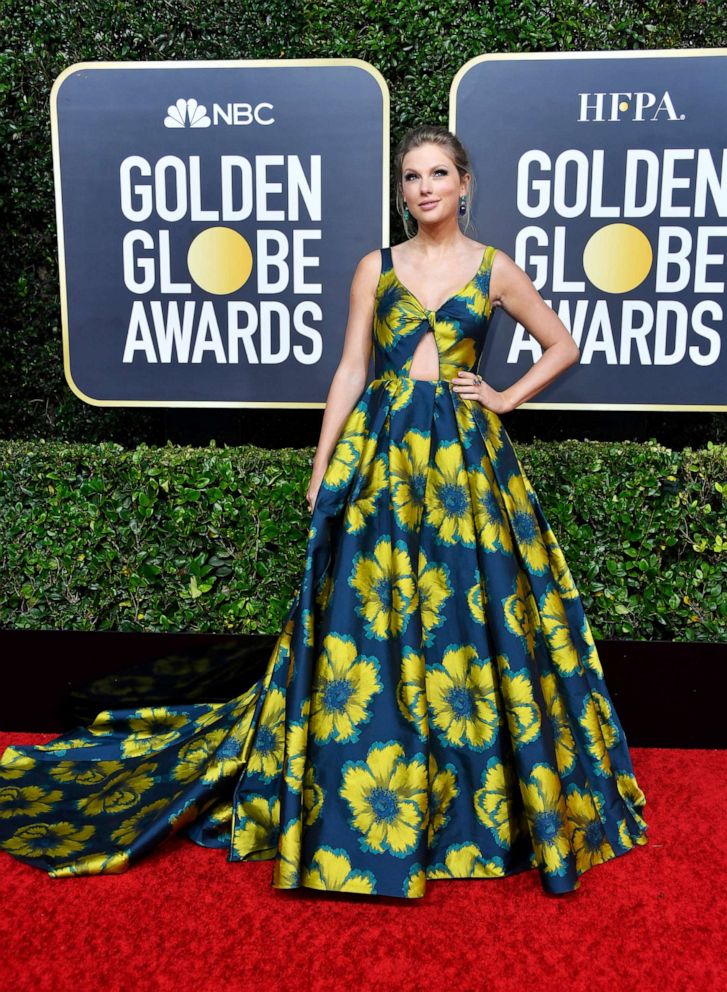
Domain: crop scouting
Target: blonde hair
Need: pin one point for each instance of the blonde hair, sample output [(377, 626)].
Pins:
[(433, 134)]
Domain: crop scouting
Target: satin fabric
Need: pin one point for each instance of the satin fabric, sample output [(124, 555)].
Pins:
[(434, 706)]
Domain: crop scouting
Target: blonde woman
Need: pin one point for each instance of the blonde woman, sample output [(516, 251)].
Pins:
[(434, 706)]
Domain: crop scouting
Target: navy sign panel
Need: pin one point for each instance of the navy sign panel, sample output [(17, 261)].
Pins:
[(210, 218)]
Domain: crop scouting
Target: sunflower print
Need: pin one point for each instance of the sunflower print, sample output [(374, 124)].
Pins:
[(371, 485), (443, 789), (548, 818), (449, 509), (387, 796), (348, 450), (58, 839), (497, 804), (492, 526), (331, 869), (411, 694), (587, 836), (257, 820), (466, 860), (286, 872), (342, 692), (433, 706), (462, 693), (435, 590), (386, 588), (409, 466)]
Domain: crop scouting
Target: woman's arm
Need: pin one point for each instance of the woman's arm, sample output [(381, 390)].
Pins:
[(349, 379), (513, 290)]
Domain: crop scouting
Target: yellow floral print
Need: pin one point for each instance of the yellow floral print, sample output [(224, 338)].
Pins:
[(194, 755), (411, 693), (153, 728), (71, 771), (435, 591), (313, 796), (558, 566), (286, 869), (94, 864), (520, 613), (547, 816), (15, 764), (565, 743), (496, 803), (255, 834), (449, 506), (29, 800), (521, 708), (415, 883), (490, 516), (295, 751), (408, 467), (526, 529), (587, 836), (344, 685), (386, 588), (476, 601), (50, 840), (443, 790), (590, 656), (266, 756), (387, 796), (347, 452), (135, 825), (466, 861), (397, 314), (463, 698), (600, 731), (372, 482), (331, 870), (120, 790), (554, 621)]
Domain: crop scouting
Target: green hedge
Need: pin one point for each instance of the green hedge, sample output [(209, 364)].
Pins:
[(98, 537), (418, 47)]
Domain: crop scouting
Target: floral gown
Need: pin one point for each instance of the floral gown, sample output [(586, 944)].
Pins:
[(434, 706)]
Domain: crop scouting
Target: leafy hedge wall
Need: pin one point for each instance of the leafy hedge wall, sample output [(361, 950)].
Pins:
[(417, 46), (96, 537)]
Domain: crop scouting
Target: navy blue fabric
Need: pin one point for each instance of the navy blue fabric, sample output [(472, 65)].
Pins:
[(434, 706)]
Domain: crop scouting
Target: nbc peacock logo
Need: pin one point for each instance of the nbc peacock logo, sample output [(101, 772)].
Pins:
[(187, 113)]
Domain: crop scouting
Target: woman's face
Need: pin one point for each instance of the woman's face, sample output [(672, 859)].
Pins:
[(431, 183)]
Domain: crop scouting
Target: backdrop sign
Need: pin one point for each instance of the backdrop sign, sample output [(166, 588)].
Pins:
[(210, 218), (604, 175)]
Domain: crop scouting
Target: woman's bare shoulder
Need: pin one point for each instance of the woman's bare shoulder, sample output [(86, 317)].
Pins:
[(371, 261), (367, 273)]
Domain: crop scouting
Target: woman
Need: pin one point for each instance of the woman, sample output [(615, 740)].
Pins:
[(434, 706)]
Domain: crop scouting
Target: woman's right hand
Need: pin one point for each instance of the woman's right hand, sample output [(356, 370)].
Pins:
[(313, 487)]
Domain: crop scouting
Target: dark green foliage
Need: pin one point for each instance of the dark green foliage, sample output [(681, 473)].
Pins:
[(96, 537), (416, 46)]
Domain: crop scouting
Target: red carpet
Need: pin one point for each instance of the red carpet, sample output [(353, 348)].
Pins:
[(185, 918)]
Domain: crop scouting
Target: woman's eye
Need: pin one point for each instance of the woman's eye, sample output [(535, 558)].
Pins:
[(436, 172)]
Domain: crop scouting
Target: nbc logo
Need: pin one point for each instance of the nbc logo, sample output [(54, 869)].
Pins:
[(187, 113)]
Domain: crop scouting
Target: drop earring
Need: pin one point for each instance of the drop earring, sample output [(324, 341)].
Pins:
[(407, 215), (462, 205)]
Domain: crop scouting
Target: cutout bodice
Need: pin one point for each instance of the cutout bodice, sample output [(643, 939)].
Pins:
[(459, 325)]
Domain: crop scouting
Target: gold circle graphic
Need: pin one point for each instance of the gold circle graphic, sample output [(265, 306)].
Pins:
[(617, 258), (219, 260)]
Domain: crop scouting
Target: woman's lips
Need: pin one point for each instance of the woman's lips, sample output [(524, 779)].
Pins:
[(429, 205)]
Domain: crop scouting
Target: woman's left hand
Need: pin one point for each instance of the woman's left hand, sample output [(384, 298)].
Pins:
[(472, 386)]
